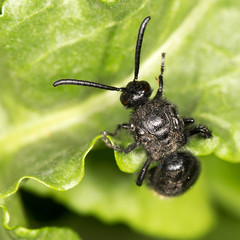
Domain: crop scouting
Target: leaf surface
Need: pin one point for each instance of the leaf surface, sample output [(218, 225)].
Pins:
[(45, 133), (10, 229)]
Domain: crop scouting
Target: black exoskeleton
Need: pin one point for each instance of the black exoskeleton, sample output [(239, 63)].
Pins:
[(156, 126)]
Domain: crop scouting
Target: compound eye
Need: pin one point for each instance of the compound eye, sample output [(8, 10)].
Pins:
[(124, 100), (145, 87)]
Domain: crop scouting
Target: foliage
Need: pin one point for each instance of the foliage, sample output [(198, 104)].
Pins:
[(46, 133)]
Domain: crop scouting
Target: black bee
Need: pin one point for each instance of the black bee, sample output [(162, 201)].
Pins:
[(157, 127)]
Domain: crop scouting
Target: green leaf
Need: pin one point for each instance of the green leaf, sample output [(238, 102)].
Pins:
[(45, 133), (214, 73), (16, 232), (113, 196), (224, 181), (61, 176), (18, 217)]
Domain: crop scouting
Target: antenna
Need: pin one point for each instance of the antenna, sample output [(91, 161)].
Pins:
[(86, 83), (139, 46)]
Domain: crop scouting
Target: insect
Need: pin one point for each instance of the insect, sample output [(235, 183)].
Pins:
[(157, 127)]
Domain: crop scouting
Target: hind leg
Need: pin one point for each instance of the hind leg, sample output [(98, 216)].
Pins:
[(200, 129), (187, 121), (143, 172)]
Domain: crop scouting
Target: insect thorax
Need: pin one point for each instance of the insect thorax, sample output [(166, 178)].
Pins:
[(158, 128)]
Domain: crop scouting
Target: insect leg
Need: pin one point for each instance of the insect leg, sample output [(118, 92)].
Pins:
[(143, 172), (119, 127), (116, 147), (188, 121), (160, 78), (202, 130)]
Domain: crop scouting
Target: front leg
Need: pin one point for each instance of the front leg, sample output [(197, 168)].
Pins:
[(202, 130), (116, 147), (119, 127)]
